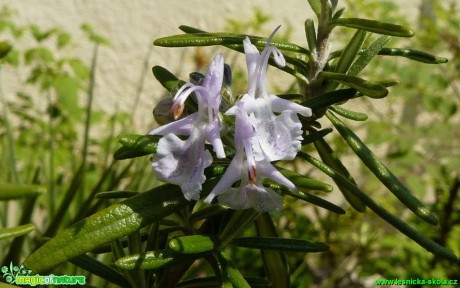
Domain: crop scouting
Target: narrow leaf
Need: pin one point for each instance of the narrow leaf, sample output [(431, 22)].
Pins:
[(232, 274), (136, 146), (7, 233), (330, 158), (373, 26), (11, 191), (315, 6), (382, 172), (329, 98), (315, 200), (281, 244), (191, 244), (207, 212), (350, 52), (305, 182), (211, 39), (152, 260), (167, 79), (275, 262), (107, 225), (352, 115), (413, 54), (367, 55), (370, 89), (399, 224), (115, 194), (312, 136), (98, 268), (310, 34), (238, 223)]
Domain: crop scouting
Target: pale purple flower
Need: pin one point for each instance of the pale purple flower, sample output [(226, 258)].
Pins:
[(182, 162), (245, 167), (279, 136)]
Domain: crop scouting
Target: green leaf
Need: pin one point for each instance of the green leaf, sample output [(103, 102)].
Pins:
[(79, 68), (352, 115), (136, 145), (370, 89), (192, 244), (96, 267), (367, 55), (310, 34), (115, 194), (152, 260), (67, 89), (339, 13), (373, 26), (207, 212), (329, 98), (7, 233), (350, 52), (275, 243), (107, 225), (232, 274), (41, 36), (11, 191), (5, 48), (413, 54), (239, 221), (305, 182), (211, 39), (402, 226), (331, 159), (167, 79), (94, 37), (275, 262), (382, 172), (315, 6), (63, 39), (320, 202), (38, 54), (314, 135)]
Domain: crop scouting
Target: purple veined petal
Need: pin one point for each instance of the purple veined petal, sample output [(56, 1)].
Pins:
[(280, 136), (252, 196), (231, 175), (279, 104), (180, 127), (213, 81), (183, 162)]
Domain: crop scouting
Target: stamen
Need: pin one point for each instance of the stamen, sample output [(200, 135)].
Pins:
[(252, 175), (176, 110)]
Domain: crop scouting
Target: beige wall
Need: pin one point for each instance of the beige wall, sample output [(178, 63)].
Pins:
[(131, 26)]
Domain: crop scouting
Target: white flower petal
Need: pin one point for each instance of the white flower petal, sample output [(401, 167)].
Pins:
[(267, 170), (279, 104), (180, 127), (182, 162), (231, 175), (252, 196), (278, 136)]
